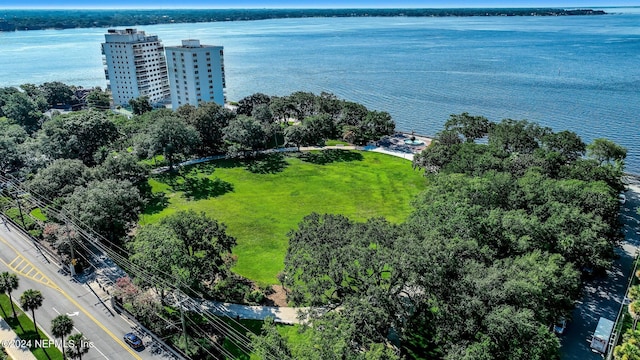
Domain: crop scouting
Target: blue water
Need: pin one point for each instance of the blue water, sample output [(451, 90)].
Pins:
[(580, 73)]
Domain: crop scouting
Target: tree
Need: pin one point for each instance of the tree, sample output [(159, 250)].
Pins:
[(471, 127), (57, 93), (246, 104), (77, 136), (122, 166), (171, 136), (516, 136), (244, 134), (98, 99), (61, 326), (9, 283), (296, 135), (377, 124), (629, 349), (283, 109), (433, 158), (263, 114), (567, 143), (63, 238), (606, 151), (60, 178), (270, 342), (634, 310), (156, 248), (351, 114), (23, 111), (32, 300), (318, 128), (108, 207), (190, 246), (78, 345), (140, 105), (12, 147), (209, 119), (10, 159)]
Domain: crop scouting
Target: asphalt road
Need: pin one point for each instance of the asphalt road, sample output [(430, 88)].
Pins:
[(603, 297), (62, 295)]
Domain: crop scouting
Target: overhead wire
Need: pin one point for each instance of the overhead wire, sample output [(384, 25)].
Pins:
[(245, 343)]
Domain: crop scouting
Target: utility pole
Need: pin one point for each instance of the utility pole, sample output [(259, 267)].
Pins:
[(184, 324), (72, 265), (21, 214)]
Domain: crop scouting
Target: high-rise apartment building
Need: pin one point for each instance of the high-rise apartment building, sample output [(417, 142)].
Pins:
[(135, 66), (196, 73)]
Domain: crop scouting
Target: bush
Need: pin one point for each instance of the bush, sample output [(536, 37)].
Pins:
[(255, 297)]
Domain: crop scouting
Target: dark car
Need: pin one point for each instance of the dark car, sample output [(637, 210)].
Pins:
[(133, 340)]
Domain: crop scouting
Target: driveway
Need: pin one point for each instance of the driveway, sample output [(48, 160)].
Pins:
[(602, 297)]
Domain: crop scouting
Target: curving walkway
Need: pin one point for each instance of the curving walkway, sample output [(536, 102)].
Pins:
[(379, 149), (283, 315)]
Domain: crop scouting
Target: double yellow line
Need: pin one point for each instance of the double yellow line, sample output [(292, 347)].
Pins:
[(71, 300)]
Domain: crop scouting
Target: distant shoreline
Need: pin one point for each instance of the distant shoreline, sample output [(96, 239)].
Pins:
[(40, 19)]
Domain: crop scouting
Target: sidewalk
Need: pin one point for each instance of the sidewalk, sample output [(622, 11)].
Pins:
[(10, 340)]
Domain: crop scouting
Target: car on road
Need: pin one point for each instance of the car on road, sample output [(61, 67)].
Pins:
[(133, 340), (560, 326), (622, 198)]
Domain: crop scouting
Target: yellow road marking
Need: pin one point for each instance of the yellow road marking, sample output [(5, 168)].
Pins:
[(72, 300), (27, 269), (17, 258)]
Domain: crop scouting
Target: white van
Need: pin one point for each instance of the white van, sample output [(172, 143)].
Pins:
[(602, 336)]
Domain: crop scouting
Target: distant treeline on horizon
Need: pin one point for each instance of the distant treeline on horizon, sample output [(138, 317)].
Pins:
[(14, 20)]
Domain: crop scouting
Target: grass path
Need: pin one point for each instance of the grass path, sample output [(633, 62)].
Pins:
[(270, 197)]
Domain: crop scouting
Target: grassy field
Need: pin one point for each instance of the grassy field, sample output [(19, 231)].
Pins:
[(262, 200), (23, 327)]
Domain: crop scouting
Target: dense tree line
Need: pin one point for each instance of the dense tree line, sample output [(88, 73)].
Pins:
[(12, 20), (61, 154), (490, 257)]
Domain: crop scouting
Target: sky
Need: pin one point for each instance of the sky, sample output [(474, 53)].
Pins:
[(156, 4)]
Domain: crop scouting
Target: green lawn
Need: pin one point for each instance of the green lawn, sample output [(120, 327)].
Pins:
[(336, 142), (37, 213), (262, 201), (24, 328)]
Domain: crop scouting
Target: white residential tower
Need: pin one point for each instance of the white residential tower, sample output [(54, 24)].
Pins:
[(196, 73), (135, 66)]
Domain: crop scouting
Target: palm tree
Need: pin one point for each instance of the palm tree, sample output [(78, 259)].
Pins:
[(61, 326), (634, 310), (31, 300), (78, 345), (626, 350), (8, 283), (634, 292)]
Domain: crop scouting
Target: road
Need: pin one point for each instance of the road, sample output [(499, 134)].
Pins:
[(62, 295), (603, 296)]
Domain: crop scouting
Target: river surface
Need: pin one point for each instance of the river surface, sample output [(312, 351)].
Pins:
[(580, 73)]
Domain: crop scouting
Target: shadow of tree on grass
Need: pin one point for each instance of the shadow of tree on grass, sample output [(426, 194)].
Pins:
[(156, 203), (198, 188), (267, 164), (331, 155), (206, 168)]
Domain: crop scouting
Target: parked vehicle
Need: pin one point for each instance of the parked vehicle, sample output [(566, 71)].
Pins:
[(133, 340), (622, 198), (560, 326), (602, 336)]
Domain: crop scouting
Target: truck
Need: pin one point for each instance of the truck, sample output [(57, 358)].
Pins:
[(602, 336)]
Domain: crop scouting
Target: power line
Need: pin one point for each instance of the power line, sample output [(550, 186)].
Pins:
[(90, 235)]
